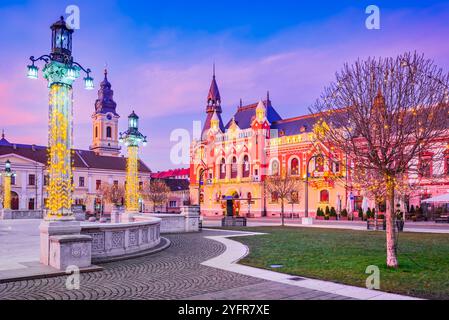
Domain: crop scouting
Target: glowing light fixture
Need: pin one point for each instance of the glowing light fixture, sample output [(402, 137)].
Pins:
[(71, 73), (33, 71), (88, 83)]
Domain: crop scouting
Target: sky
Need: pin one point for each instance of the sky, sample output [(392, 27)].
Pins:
[(160, 56)]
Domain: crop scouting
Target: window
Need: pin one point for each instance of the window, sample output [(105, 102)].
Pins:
[(336, 167), (246, 167), (46, 179), (172, 204), (274, 197), (294, 198), (98, 184), (31, 204), (31, 180), (324, 196), (425, 167), (108, 132), (319, 164), (13, 180), (223, 169), (81, 182), (115, 183), (294, 167), (140, 185), (275, 168), (96, 132), (234, 168)]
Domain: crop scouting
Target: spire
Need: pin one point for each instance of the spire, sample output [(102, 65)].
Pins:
[(3, 141), (268, 98), (105, 102), (213, 98)]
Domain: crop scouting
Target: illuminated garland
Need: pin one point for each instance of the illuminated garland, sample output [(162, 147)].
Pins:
[(7, 193), (132, 180), (60, 185)]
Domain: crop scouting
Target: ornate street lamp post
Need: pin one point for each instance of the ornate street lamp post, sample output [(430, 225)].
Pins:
[(60, 71), (132, 139), (7, 185)]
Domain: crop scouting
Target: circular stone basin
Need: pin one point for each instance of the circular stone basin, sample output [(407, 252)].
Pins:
[(113, 241)]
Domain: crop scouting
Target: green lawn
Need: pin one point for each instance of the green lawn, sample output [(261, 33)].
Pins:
[(343, 256)]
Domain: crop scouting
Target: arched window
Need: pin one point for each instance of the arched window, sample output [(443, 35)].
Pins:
[(324, 196), (108, 132), (275, 168), (234, 168), (294, 167), (246, 167), (96, 132), (223, 169), (319, 164)]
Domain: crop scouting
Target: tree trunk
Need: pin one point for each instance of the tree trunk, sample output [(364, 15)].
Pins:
[(282, 212), (392, 260)]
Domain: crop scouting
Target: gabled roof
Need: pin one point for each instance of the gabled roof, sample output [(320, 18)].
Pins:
[(82, 158), (294, 126), (246, 114), (170, 174)]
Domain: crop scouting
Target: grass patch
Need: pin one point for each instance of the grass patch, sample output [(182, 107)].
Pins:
[(343, 256)]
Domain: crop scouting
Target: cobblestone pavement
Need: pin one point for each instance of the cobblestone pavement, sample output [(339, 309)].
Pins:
[(175, 273)]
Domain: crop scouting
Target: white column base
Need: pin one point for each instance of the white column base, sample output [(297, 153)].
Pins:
[(50, 231)]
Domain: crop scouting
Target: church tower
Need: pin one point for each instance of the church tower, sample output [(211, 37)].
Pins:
[(213, 106), (105, 122)]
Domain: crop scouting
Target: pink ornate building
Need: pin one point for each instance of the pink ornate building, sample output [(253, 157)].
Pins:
[(231, 161)]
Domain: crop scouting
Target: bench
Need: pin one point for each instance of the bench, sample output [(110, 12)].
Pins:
[(371, 224), (442, 219)]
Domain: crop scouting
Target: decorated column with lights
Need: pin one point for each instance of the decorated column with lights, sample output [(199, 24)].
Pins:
[(7, 185), (132, 139), (60, 71)]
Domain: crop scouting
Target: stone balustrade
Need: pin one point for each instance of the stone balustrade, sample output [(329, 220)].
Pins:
[(122, 240)]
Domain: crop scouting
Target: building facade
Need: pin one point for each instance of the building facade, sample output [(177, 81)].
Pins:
[(102, 164), (233, 159)]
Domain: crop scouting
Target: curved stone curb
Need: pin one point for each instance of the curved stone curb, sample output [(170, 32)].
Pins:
[(235, 251), (164, 244)]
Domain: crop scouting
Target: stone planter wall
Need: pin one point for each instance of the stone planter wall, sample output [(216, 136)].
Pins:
[(21, 214), (187, 221), (122, 240)]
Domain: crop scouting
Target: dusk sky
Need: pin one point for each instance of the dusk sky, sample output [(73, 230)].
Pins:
[(160, 55)]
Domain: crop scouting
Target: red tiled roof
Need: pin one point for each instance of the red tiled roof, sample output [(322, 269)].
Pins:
[(170, 174), (82, 158)]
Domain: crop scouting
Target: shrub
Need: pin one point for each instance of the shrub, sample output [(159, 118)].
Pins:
[(360, 213), (369, 214), (333, 212), (344, 213), (328, 212), (319, 212)]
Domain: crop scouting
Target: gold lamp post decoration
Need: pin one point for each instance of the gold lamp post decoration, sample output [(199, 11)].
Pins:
[(60, 71), (7, 175), (132, 139)]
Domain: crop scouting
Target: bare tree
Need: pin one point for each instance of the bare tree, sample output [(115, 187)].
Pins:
[(285, 188), (156, 191), (386, 114), (112, 193)]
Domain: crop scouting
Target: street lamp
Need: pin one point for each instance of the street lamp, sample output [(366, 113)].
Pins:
[(60, 71), (7, 185), (132, 139)]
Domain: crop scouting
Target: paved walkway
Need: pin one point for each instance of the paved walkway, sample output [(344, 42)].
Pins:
[(176, 273), (199, 266)]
